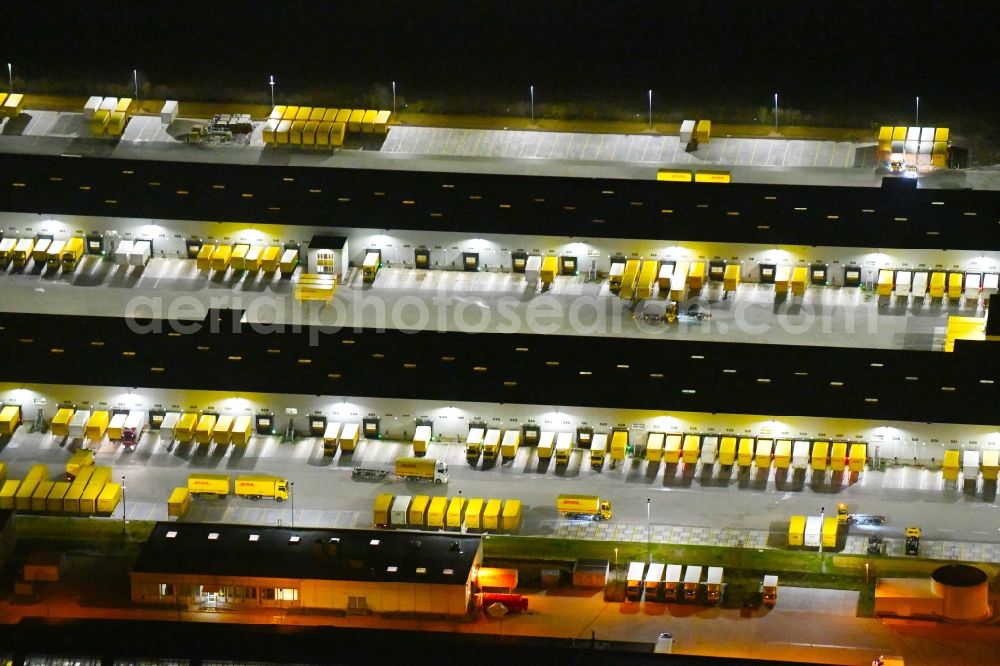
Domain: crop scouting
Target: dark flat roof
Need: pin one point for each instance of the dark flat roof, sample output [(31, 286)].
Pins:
[(666, 375), (891, 217), (307, 553)]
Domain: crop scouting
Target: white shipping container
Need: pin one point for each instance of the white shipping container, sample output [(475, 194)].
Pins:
[(109, 103), (533, 268), (78, 424), (168, 424), (814, 531), (990, 281), (400, 507), (122, 252), (545, 443), (919, 288), (800, 454), (972, 282), (139, 256), (117, 423), (903, 281), (709, 449), (169, 112), (970, 465), (331, 433), (687, 131), (136, 420), (91, 107)]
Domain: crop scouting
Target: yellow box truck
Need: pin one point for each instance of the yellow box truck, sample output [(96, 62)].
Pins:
[(550, 268), (474, 513), (97, 425), (619, 444), (256, 486), (242, 430), (629, 278), (491, 515), (453, 519), (369, 269), (796, 528), (381, 509), (184, 431), (220, 258), (421, 439), (509, 444), (222, 432), (270, 259), (209, 484), (418, 511), (583, 506)]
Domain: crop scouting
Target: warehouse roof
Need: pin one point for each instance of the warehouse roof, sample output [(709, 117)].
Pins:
[(307, 553), (896, 216), (607, 372)]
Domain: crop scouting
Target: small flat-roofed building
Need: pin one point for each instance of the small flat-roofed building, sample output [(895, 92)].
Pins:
[(207, 566)]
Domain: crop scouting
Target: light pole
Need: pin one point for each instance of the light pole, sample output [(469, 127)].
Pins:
[(393, 98), (650, 108), (649, 544), (135, 78), (124, 519), (291, 498), (10, 77), (531, 90), (775, 112), (917, 121), (271, 83), (822, 518)]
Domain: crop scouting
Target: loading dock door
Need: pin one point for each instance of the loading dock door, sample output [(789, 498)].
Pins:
[(518, 261), (317, 425), (716, 270), (852, 276), (422, 258), (767, 273), (818, 273), (470, 261), (567, 265)]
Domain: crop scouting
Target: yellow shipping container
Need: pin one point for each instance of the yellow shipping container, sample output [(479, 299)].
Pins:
[(955, 285), (820, 452), (936, 288), (206, 427), (800, 278), (762, 454), (222, 432), (619, 444), (290, 113), (330, 115), (238, 259), (672, 449), (309, 133), (885, 282), (511, 516), (629, 278), (60, 422), (295, 132), (8, 492), (856, 461), (97, 425), (323, 134), (951, 465), (727, 451), (830, 529), (418, 511), (692, 447), (491, 515), (744, 453), (317, 114), (271, 257), (344, 116), (22, 499), (109, 498), (270, 132), (54, 502), (10, 418), (242, 430), (220, 258), (37, 473), (707, 176), (368, 121), (796, 530), (654, 446), (184, 430), (355, 120), (731, 277), (337, 131), (838, 456), (474, 513), (281, 135), (41, 494), (454, 519), (204, 260), (303, 113), (382, 120), (88, 500), (180, 500), (277, 112), (782, 453)]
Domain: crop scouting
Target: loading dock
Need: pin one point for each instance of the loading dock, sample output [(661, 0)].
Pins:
[(768, 272), (818, 274), (470, 261), (567, 265), (716, 270), (852, 276), (518, 261)]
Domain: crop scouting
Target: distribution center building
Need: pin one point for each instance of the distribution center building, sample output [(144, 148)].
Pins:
[(239, 567)]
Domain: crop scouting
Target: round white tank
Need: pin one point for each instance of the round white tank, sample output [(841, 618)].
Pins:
[(964, 592)]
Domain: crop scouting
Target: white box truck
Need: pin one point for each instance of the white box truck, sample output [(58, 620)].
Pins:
[(533, 269), (132, 430), (709, 450), (800, 454), (167, 426), (122, 252), (634, 581), (970, 465), (169, 111), (692, 581), (654, 582), (713, 585)]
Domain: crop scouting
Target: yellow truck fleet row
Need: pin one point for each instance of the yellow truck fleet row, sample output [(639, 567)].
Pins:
[(247, 257), (424, 511), (321, 128), (11, 105), (953, 285), (45, 252), (635, 278), (90, 491)]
